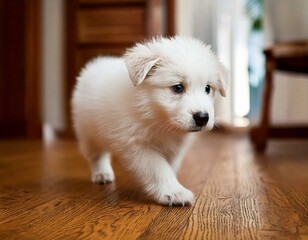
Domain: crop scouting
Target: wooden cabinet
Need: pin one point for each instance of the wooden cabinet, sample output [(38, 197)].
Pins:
[(106, 27)]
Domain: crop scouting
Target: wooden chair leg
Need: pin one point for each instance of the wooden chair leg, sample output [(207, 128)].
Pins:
[(259, 134)]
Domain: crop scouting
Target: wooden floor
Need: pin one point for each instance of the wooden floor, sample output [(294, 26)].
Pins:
[(45, 193)]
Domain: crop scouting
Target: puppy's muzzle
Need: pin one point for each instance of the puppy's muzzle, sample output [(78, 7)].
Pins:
[(201, 118)]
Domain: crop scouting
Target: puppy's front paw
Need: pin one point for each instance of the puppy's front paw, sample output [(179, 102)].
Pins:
[(175, 196), (103, 178)]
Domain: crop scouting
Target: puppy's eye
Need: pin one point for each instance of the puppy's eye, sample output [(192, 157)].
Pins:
[(208, 89), (179, 88)]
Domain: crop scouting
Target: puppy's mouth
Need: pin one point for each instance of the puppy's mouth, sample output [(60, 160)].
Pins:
[(195, 129)]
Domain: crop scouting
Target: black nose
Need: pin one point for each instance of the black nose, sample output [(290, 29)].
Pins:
[(201, 118)]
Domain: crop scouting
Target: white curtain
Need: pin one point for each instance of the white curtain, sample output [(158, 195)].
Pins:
[(223, 25)]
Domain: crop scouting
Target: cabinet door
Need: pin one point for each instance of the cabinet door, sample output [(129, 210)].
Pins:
[(105, 27)]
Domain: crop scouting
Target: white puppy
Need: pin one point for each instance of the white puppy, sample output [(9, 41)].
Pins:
[(142, 108)]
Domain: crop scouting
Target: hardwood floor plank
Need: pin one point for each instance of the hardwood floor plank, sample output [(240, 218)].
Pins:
[(46, 193), (239, 201), (286, 181)]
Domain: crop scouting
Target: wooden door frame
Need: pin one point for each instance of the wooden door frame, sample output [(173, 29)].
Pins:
[(33, 99), (170, 18), (20, 73)]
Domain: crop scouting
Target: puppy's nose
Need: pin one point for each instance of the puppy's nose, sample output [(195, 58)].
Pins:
[(201, 118)]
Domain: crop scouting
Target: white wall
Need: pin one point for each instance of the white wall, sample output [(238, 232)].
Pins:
[(52, 63), (287, 20)]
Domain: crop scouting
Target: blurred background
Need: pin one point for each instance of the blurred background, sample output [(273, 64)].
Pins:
[(44, 44)]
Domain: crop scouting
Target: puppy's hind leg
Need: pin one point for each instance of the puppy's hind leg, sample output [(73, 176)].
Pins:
[(101, 169), (100, 163)]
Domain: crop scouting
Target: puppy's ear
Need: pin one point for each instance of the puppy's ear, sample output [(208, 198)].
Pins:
[(223, 79), (139, 61)]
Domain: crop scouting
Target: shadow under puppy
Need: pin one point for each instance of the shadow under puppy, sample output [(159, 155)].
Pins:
[(144, 107)]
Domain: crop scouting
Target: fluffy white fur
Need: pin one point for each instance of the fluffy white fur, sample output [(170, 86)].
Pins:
[(126, 107)]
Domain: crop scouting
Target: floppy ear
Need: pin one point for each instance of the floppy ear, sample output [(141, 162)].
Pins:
[(139, 61), (223, 79)]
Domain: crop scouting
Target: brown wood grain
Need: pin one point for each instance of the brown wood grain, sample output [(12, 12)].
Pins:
[(111, 26), (46, 193), (20, 111)]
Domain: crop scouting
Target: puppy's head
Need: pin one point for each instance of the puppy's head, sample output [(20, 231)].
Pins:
[(176, 80)]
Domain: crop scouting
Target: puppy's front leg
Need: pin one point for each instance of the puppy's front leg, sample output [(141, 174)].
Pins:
[(158, 178), (177, 160)]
